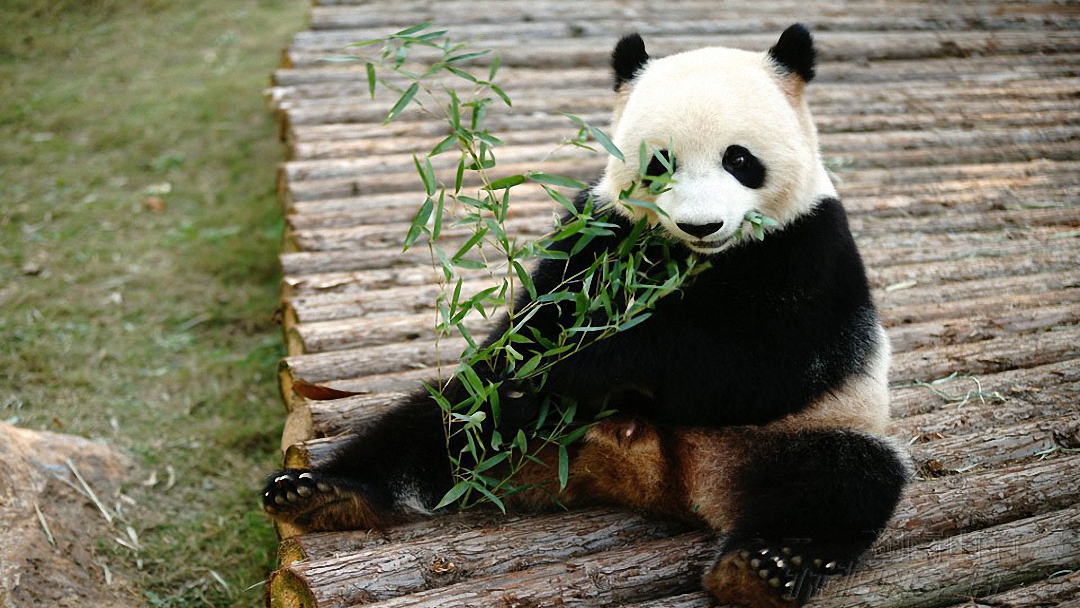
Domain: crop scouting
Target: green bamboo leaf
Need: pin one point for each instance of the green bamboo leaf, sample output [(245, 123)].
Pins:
[(469, 244), (488, 138), (559, 198), (487, 493), (557, 180), (564, 467), (467, 56), (635, 202), (506, 182), (469, 264), (406, 97), (428, 37), (443, 145), (608, 145), (460, 175), (436, 225), (371, 78), (635, 321), (502, 95), (462, 74), (574, 435), (479, 112), (419, 223), (427, 174), (455, 493), (365, 42), (530, 366), (496, 61), (409, 31), (525, 278), (491, 462)]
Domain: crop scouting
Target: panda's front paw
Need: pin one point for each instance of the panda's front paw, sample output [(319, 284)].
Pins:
[(770, 575), (293, 491)]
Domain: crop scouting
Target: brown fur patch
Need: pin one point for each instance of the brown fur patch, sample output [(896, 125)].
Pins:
[(733, 581)]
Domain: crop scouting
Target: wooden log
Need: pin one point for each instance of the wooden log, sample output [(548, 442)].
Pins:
[(589, 88), (995, 446), (329, 418), (1043, 386), (837, 46), (944, 323), (862, 185), (921, 301), (986, 357), (944, 69), (942, 572), (687, 600), (980, 323), (959, 504), (935, 509), (659, 567), (879, 250), (333, 13), (1029, 392), (1056, 590), (642, 572), (768, 22), (910, 305), (389, 571), (966, 405), (1041, 199), (968, 269), (535, 217), (927, 364)]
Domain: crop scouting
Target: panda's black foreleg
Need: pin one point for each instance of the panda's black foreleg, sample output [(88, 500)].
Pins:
[(394, 470), (810, 505)]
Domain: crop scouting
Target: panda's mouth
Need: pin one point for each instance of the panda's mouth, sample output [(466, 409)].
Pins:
[(709, 247)]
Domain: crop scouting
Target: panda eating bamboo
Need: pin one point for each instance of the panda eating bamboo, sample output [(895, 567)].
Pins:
[(753, 402)]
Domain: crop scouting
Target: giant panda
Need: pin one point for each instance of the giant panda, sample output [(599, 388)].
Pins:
[(753, 402)]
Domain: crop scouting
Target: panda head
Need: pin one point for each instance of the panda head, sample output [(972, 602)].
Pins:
[(735, 127)]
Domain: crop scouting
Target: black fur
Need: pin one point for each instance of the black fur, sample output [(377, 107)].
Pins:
[(744, 166), (795, 52), (628, 57), (822, 497), (767, 330)]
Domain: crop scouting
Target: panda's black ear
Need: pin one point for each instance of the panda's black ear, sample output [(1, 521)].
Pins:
[(627, 58), (795, 53)]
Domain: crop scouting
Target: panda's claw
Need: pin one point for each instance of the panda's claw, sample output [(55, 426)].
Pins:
[(290, 490), (758, 574)]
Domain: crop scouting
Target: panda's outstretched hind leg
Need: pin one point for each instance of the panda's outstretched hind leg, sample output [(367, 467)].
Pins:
[(811, 505)]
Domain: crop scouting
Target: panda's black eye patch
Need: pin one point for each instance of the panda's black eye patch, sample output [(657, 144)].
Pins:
[(746, 167), (657, 167)]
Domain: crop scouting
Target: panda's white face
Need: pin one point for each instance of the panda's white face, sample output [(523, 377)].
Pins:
[(741, 139)]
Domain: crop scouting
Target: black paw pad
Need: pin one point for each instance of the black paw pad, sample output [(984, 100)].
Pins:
[(291, 488)]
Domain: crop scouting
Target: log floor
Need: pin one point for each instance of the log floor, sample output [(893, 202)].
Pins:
[(953, 129)]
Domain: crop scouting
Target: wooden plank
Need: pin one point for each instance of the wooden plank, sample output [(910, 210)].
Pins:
[(1047, 543), (967, 565), (836, 46)]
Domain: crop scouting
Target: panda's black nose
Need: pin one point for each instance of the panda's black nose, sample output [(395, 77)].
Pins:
[(699, 230)]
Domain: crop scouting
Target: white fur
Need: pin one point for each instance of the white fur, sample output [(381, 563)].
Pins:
[(698, 103)]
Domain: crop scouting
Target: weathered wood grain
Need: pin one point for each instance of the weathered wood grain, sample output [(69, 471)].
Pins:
[(949, 570)]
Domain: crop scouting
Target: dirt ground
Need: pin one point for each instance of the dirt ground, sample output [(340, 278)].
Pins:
[(49, 552)]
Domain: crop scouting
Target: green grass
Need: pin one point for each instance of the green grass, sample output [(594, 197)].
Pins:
[(151, 329)]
